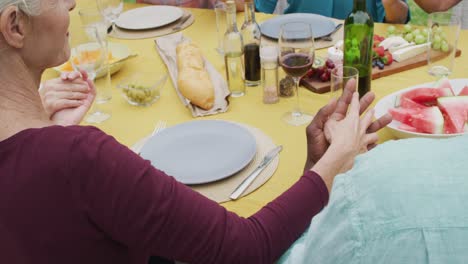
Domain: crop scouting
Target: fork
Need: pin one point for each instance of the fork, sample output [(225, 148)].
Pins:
[(160, 126), (181, 23)]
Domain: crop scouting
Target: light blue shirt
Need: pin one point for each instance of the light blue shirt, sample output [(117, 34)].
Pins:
[(331, 8), (405, 202)]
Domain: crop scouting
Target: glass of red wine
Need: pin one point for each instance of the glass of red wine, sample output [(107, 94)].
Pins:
[(296, 44)]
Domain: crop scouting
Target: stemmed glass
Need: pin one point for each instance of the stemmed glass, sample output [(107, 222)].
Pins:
[(297, 52), (89, 54), (110, 10)]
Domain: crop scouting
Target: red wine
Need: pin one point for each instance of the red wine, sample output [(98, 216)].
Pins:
[(252, 62), (296, 64)]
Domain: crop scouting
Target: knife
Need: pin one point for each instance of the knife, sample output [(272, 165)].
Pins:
[(247, 181)]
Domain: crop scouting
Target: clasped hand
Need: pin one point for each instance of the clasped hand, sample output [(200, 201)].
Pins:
[(339, 123), (67, 99)]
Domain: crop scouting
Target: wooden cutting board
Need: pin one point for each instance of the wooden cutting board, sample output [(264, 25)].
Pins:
[(320, 87)]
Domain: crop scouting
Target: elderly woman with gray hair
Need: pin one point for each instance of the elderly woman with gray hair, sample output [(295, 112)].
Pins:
[(72, 194)]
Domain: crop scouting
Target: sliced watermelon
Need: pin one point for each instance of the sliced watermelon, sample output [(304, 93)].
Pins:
[(410, 104), (424, 95), (403, 115), (429, 120), (444, 83), (409, 128), (464, 91), (455, 109)]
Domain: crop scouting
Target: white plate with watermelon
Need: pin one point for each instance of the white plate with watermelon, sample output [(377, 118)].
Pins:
[(428, 110)]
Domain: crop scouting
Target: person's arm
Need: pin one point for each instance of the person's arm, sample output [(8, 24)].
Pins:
[(147, 211), (396, 11), (436, 5)]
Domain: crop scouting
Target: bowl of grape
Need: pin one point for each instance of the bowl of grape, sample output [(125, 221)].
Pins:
[(142, 89)]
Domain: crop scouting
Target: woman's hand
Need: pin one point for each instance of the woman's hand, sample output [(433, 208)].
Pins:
[(67, 99), (317, 143), (347, 137)]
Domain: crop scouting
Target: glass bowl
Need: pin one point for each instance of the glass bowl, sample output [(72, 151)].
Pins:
[(143, 89)]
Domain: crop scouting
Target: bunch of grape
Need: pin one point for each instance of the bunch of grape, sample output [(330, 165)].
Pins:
[(421, 36), (323, 73)]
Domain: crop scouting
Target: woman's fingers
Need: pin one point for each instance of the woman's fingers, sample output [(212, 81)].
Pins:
[(66, 103), (370, 139), (354, 107), (366, 121)]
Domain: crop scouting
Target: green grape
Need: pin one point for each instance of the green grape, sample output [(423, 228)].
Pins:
[(425, 32), (391, 30), (416, 32), (409, 37), (407, 28), (436, 46), (436, 39), (419, 39), (438, 30), (444, 47)]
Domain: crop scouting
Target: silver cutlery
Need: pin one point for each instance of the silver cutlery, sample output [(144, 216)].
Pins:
[(248, 181), (329, 36), (181, 22), (160, 126)]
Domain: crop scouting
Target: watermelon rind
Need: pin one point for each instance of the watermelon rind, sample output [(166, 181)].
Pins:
[(455, 109), (429, 120)]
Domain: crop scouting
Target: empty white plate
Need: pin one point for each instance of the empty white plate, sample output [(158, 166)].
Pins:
[(149, 17), (202, 151), (321, 25)]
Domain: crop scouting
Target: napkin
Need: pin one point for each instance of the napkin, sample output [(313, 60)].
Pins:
[(166, 47)]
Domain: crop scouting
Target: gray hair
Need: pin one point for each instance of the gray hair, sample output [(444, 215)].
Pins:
[(30, 7)]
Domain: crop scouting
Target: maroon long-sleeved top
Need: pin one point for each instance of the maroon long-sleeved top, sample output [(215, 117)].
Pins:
[(75, 195)]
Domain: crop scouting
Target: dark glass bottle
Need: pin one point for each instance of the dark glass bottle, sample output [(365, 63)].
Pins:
[(358, 39), (251, 36)]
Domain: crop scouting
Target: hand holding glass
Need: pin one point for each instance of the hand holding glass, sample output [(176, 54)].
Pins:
[(297, 55)]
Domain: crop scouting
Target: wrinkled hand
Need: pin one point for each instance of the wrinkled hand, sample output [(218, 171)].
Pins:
[(349, 135), (67, 99), (317, 143)]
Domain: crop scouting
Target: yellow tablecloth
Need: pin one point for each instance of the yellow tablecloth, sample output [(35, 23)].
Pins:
[(129, 124)]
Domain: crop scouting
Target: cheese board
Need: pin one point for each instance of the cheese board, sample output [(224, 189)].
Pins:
[(317, 86)]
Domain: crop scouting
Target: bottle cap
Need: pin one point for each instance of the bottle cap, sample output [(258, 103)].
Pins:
[(269, 54)]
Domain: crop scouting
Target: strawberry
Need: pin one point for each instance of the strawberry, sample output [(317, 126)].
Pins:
[(380, 51), (389, 58)]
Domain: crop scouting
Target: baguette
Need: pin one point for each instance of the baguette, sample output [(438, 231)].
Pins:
[(194, 81)]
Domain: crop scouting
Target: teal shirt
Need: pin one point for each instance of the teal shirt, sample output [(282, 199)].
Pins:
[(331, 8), (405, 202)]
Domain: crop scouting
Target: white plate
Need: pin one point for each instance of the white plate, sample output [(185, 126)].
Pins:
[(321, 25), (119, 51), (149, 17), (200, 152), (388, 102)]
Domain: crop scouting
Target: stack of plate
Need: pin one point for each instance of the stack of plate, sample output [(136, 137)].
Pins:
[(150, 17)]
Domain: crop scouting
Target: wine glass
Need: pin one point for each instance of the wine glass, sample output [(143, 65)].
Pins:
[(297, 55), (110, 10), (89, 54)]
